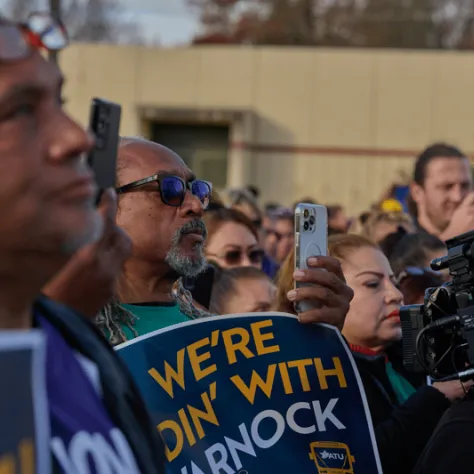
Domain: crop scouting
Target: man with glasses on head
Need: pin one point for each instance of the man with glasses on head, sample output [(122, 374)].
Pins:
[(47, 202), (161, 204)]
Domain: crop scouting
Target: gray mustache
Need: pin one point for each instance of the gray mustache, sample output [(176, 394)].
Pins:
[(191, 226)]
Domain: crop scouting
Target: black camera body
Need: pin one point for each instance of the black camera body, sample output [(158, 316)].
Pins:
[(438, 336)]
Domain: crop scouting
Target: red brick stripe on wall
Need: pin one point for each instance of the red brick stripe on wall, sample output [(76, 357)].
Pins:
[(317, 150)]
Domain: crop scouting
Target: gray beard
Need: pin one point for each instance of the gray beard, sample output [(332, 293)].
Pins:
[(184, 265)]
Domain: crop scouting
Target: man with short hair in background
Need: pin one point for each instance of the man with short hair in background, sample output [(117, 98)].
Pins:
[(442, 191)]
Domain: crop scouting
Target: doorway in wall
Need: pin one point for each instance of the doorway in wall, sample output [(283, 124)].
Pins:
[(204, 148)]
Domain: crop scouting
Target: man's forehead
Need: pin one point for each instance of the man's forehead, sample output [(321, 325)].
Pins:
[(448, 168), (139, 159), (34, 71)]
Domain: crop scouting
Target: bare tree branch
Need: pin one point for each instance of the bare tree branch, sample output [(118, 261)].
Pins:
[(426, 24)]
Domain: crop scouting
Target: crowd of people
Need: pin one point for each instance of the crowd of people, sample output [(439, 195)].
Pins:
[(164, 248)]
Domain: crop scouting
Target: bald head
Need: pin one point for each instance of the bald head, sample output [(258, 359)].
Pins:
[(139, 158), (165, 234)]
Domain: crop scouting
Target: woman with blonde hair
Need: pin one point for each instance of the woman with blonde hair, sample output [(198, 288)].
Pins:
[(404, 418), (379, 224)]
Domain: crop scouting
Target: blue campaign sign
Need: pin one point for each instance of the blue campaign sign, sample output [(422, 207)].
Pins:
[(401, 194), (24, 430), (255, 393)]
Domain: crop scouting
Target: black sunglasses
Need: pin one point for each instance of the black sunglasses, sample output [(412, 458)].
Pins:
[(173, 189), (234, 257), (417, 272)]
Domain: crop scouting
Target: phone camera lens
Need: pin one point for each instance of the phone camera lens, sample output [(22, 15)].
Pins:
[(306, 213), (306, 226), (311, 220)]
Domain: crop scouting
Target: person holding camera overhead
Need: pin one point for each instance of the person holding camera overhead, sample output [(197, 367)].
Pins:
[(404, 418)]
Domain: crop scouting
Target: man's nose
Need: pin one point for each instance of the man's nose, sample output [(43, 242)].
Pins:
[(70, 140), (191, 205), (457, 194)]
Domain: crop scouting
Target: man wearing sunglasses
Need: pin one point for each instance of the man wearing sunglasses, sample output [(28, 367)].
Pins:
[(161, 204), (47, 205)]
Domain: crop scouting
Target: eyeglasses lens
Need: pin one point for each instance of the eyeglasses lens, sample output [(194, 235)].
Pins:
[(233, 257), (52, 34), (256, 256), (414, 271), (202, 191), (172, 190)]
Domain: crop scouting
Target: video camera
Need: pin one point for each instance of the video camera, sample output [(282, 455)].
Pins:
[(438, 336)]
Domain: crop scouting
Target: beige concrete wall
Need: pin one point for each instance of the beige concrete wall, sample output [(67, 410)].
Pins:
[(335, 124)]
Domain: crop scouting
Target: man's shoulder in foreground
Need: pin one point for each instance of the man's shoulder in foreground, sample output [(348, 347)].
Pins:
[(451, 448), (121, 399)]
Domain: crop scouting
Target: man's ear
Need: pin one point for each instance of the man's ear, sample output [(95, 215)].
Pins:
[(416, 192)]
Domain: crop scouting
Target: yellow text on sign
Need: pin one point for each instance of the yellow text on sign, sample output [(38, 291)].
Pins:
[(23, 463), (238, 342)]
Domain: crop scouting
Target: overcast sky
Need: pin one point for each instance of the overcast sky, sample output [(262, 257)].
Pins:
[(169, 21)]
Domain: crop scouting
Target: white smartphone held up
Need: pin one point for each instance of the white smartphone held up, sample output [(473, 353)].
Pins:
[(311, 240)]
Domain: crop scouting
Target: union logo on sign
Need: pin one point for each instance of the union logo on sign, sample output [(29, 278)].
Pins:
[(331, 457)]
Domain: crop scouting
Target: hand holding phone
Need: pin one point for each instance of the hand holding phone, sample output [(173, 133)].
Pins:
[(105, 125), (311, 240)]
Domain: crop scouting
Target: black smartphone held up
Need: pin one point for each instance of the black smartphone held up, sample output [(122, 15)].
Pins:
[(105, 125)]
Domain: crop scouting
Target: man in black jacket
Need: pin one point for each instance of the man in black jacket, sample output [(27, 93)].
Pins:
[(47, 205)]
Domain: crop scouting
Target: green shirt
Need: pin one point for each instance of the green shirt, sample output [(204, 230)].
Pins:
[(153, 316), (402, 388)]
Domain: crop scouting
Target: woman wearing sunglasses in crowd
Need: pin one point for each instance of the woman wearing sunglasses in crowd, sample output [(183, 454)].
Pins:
[(377, 225), (416, 250), (232, 239), (410, 259), (410, 256), (245, 201)]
